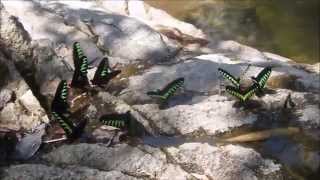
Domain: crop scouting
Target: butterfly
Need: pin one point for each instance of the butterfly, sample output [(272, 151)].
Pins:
[(104, 73), (80, 61), (72, 131), (120, 121), (235, 81), (243, 95), (59, 103), (262, 77), (168, 90)]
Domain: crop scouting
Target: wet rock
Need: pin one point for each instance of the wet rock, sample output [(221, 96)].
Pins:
[(39, 171), (226, 162), (143, 162)]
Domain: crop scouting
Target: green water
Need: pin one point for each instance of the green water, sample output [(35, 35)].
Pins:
[(289, 28)]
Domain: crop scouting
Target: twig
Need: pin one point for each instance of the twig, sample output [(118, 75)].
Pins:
[(55, 140)]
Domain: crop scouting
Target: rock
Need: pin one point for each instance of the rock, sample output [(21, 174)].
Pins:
[(29, 144), (24, 110), (123, 36), (39, 171), (6, 96), (139, 162), (212, 115), (14, 38), (46, 26), (226, 162)]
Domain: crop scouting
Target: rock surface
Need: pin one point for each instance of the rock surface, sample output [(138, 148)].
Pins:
[(19, 107), (151, 48)]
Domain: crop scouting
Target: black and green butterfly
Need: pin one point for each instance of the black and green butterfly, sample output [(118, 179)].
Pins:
[(120, 121), (235, 81), (168, 91), (72, 131), (80, 61), (262, 77), (104, 73), (243, 95), (60, 103)]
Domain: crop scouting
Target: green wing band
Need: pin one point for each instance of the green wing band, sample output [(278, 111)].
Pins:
[(65, 124), (235, 92), (263, 77), (250, 92), (228, 76)]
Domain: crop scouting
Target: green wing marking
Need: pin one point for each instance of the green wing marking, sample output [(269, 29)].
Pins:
[(65, 124), (59, 103), (103, 73), (235, 81), (242, 95), (263, 77), (156, 93), (116, 120), (169, 90), (78, 54), (80, 61)]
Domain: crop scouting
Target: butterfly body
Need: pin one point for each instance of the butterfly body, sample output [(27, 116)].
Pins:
[(168, 91), (104, 73), (79, 78)]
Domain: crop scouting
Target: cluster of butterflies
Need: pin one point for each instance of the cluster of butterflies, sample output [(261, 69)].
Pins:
[(244, 93), (103, 74), (60, 107)]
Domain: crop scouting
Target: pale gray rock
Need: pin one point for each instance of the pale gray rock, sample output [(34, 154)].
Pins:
[(40, 171), (122, 36), (212, 115), (224, 163), (142, 162), (6, 95), (23, 111), (42, 24), (14, 38)]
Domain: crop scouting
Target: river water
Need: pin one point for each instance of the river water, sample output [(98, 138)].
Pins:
[(289, 28)]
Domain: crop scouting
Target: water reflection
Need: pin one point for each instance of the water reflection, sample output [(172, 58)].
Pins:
[(286, 27)]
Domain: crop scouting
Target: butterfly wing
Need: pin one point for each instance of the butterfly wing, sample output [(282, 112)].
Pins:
[(263, 77), (101, 70), (80, 78), (171, 88), (77, 54), (235, 81), (103, 73), (116, 120), (155, 94), (65, 124), (235, 92), (250, 91), (59, 103)]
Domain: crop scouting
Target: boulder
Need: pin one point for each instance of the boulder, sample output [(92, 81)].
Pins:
[(20, 108), (40, 171)]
